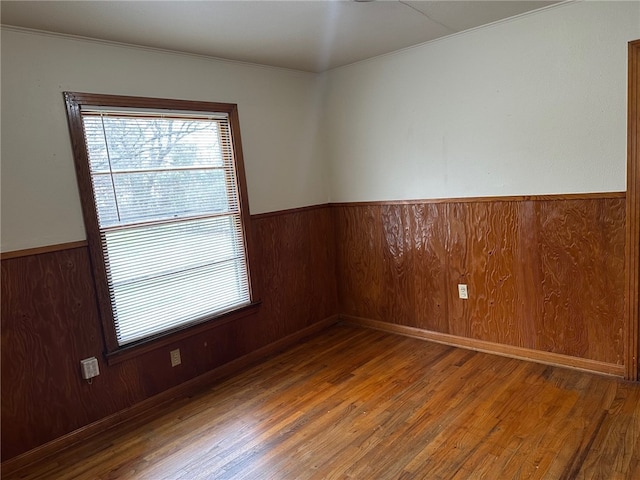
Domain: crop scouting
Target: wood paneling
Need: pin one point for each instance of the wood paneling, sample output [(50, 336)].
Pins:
[(362, 404), (482, 254), (426, 224), (581, 249), (297, 268), (543, 274), (397, 264), (50, 322), (360, 251)]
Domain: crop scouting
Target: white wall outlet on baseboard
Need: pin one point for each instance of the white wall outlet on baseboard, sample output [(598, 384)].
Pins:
[(462, 291), (175, 357), (89, 367)]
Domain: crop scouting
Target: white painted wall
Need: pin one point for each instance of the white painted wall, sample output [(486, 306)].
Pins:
[(40, 203), (533, 105)]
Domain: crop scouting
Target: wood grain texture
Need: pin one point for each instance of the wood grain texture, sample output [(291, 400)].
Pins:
[(296, 265), (147, 408), (39, 250), (50, 322), (560, 197), (544, 275), (632, 263), (359, 253), (482, 255), (427, 240), (363, 404), (539, 356), (397, 264), (581, 247)]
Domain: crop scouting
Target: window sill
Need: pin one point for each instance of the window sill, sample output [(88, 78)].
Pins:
[(135, 350)]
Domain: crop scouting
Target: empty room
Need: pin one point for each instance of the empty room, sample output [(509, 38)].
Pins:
[(331, 239)]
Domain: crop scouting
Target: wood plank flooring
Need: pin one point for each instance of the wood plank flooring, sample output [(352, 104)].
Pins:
[(353, 403)]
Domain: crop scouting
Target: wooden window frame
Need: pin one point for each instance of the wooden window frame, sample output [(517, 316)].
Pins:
[(74, 102)]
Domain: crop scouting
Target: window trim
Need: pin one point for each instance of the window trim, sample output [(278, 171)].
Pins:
[(74, 102)]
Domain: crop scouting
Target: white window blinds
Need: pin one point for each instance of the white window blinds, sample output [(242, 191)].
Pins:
[(166, 195)]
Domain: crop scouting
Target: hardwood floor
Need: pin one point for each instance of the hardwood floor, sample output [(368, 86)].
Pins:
[(355, 403)]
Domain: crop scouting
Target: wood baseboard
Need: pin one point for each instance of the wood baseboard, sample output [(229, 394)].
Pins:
[(192, 386), (548, 358), (146, 406)]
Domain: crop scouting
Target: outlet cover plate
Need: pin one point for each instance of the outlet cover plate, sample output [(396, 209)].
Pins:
[(175, 357), (89, 367)]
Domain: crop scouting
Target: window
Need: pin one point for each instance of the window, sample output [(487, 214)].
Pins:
[(162, 188)]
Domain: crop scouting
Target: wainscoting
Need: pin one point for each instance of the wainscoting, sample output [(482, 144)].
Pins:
[(543, 273), (50, 322), (545, 278)]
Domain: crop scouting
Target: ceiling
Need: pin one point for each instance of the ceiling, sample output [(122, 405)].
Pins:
[(304, 35)]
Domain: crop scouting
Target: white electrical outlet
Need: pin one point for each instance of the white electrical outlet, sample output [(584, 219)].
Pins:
[(462, 291), (175, 357), (89, 368)]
